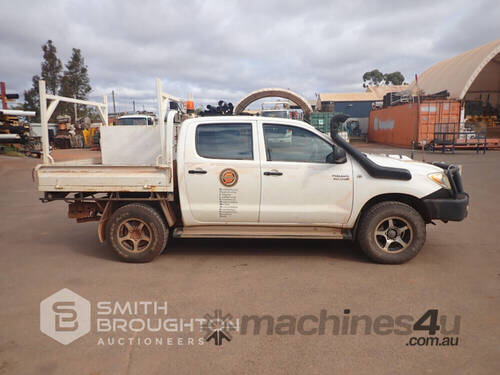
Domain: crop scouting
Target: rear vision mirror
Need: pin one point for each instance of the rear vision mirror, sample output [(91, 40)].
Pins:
[(337, 156)]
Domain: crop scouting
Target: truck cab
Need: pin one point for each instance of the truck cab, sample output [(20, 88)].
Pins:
[(131, 120), (283, 174)]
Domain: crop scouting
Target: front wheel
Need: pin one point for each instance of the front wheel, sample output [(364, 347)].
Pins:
[(137, 233), (391, 232)]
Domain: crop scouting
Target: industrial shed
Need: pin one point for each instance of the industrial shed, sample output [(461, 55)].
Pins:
[(471, 76), (460, 94), (357, 105)]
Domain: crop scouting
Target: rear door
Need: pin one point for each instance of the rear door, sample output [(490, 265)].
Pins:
[(222, 172), (299, 186)]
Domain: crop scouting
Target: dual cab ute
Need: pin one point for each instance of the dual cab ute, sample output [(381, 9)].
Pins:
[(258, 177)]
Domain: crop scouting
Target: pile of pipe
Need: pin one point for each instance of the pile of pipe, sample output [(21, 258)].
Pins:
[(222, 109)]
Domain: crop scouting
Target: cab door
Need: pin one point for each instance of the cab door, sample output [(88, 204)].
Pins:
[(222, 173), (299, 185)]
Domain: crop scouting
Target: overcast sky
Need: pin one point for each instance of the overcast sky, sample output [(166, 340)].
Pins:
[(223, 50)]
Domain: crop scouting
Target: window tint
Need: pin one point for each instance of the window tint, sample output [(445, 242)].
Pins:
[(289, 143), (225, 141)]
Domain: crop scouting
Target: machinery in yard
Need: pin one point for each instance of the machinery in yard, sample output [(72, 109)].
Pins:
[(15, 133), (248, 177), (14, 129)]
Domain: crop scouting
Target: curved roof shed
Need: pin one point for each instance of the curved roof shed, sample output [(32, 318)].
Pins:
[(477, 70)]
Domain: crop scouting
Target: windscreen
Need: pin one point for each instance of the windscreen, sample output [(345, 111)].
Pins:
[(133, 121), (279, 114)]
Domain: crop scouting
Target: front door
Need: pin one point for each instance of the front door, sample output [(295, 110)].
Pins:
[(222, 173), (298, 185)]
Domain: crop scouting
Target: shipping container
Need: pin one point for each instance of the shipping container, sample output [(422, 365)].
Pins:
[(400, 125)]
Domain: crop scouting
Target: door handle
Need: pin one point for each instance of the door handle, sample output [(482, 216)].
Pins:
[(273, 173), (197, 171)]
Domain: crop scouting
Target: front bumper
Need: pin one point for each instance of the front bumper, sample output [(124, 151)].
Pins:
[(448, 209), (455, 206)]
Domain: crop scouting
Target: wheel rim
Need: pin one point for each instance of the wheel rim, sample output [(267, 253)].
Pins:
[(393, 234), (134, 235)]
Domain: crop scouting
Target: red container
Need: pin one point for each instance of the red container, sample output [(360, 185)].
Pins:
[(400, 125)]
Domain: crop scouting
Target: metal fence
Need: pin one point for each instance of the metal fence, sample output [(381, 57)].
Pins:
[(449, 136)]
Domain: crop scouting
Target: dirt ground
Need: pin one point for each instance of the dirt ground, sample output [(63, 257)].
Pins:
[(457, 273)]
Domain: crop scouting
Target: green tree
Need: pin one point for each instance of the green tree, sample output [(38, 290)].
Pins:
[(75, 83), (394, 78), (50, 72), (376, 78), (51, 67), (373, 78)]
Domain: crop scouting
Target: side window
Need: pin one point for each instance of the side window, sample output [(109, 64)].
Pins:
[(289, 143), (150, 121), (224, 141)]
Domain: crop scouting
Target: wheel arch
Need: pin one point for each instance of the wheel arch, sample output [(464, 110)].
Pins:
[(410, 200), (166, 211)]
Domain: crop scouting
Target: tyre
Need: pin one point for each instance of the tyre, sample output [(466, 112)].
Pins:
[(391, 232), (137, 233)]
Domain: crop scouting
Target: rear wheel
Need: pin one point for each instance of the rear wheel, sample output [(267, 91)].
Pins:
[(137, 233), (391, 232)]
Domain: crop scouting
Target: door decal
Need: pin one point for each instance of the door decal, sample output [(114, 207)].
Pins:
[(228, 177)]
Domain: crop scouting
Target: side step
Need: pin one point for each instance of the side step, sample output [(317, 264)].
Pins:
[(257, 231)]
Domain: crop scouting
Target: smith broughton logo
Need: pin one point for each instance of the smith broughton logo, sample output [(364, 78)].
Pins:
[(65, 316)]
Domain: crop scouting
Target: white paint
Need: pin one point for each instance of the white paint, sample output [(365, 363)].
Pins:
[(306, 193), (200, 194)]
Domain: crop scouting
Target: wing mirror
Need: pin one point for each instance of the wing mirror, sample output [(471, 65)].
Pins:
[(337, 156)]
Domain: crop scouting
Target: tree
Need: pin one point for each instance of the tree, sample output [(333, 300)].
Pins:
[(373, 78), (51, 67), (376, 78), (75, 82), (50, 72), (394, 78)]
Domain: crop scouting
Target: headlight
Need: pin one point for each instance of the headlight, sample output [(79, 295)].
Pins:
[(441, 179)]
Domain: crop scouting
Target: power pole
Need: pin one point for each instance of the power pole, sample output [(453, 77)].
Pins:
[(114, 105), (133, 105)]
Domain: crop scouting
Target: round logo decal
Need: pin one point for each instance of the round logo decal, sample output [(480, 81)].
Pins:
[(228, 177)]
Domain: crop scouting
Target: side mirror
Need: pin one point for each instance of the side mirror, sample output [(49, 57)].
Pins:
[(337, 156)]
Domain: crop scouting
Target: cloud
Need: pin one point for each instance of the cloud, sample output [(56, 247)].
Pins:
[(223, 50)]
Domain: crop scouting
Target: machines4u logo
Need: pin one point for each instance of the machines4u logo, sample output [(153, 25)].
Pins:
[(218, 327), (65, 316)]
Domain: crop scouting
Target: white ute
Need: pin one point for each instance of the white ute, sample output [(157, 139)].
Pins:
[(256, 177)]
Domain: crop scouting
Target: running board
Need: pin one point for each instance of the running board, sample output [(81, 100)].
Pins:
[(256, 231)]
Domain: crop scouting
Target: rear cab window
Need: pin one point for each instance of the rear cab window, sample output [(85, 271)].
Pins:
[(225, 141)]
